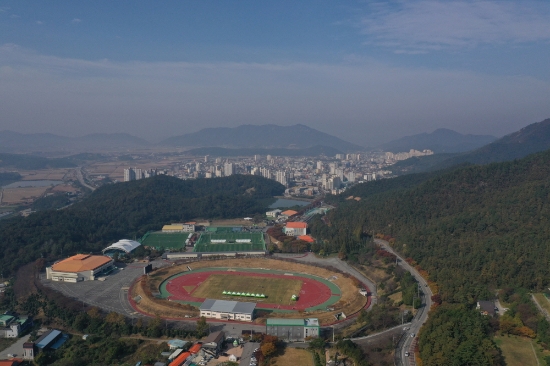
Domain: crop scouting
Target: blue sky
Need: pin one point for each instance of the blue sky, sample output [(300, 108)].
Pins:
[(365, 71)]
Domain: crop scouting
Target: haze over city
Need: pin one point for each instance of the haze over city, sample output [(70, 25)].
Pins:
[(367, 72)]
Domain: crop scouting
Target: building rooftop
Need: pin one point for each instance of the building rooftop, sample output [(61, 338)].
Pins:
[(312, 322), (177, 343), (285, 322), (289, 213), (47, 338), (173, 227), (224, 306), (306, 238), (6, 318), (215, 337), (296, 225), (81, 262), (125, 245)]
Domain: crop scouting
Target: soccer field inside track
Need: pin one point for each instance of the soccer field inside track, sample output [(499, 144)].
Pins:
[(164, 240), (194, 287), (205, 244), (277, 290)]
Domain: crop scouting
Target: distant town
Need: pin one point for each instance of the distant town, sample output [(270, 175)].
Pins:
[(302, 176)]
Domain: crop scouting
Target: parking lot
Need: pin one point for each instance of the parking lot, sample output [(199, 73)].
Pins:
[(110, 294)]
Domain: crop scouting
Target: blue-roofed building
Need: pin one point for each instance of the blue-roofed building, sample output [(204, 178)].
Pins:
[(60, 341), (49, 339)]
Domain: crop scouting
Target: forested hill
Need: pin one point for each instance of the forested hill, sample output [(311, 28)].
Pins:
[(474, 229), (128, 210), (530, 139)]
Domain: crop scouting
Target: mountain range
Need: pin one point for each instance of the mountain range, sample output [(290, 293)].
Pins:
[(222, 151), (263, 136), (441, 140), (530, 139)]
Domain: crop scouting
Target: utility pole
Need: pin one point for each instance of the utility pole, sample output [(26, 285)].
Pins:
[(333, 334)]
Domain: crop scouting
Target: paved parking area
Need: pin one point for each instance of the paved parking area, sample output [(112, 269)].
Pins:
[(109, 295), (15, 349), (248, 349)]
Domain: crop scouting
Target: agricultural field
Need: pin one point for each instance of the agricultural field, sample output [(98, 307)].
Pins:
[(277, 290), (14, 196), (520, 351), (44, 174)]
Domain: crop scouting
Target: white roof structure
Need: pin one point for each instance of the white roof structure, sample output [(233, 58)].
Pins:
[(225, 306), (124, 245)]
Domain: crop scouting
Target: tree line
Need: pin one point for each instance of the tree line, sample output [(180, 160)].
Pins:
[(129, 210)]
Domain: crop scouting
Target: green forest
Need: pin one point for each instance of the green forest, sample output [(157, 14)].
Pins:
[(473, 229), (129, 210)]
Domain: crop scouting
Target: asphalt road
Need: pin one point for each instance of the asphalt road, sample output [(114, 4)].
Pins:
[(15, 349), (248, 349), (80, 177), (405, 343)]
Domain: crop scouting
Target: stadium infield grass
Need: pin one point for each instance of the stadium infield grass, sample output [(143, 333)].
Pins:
[(277, 290)]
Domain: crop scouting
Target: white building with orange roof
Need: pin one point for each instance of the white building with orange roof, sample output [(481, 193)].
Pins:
[(80, 267), (296, 228)]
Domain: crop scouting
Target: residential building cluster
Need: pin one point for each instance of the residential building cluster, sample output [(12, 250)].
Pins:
[(302, 176)]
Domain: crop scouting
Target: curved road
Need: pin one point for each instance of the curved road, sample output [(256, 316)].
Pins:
[(421, 316)]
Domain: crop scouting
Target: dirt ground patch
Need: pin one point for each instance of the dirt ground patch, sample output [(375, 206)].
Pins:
[(374, 273), (64, 188), (350, 302), (293, 356), (165, 309)]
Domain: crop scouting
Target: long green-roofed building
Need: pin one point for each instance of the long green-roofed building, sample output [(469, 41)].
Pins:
[(293, 329)]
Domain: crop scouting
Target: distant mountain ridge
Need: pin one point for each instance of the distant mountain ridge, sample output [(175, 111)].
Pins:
[(222, 151), (442, 140), (261, 136), (15, 142), (529, 140)]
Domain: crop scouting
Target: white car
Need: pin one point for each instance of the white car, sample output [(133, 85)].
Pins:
[(406, 354), (412, 335)]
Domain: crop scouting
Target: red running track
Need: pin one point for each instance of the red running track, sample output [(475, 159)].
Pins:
[(311, 294)]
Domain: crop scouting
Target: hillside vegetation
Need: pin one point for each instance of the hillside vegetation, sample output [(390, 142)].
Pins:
[(129, 210), (473, 229)]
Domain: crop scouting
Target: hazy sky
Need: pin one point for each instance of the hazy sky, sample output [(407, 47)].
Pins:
[(366, 71)]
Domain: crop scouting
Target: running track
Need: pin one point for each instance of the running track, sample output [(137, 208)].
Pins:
[(312, 293)]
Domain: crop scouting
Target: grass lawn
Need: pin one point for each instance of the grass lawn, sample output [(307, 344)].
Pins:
[(518, 351), (293, 356), (277, 290), (543, 301), (165, 240)]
